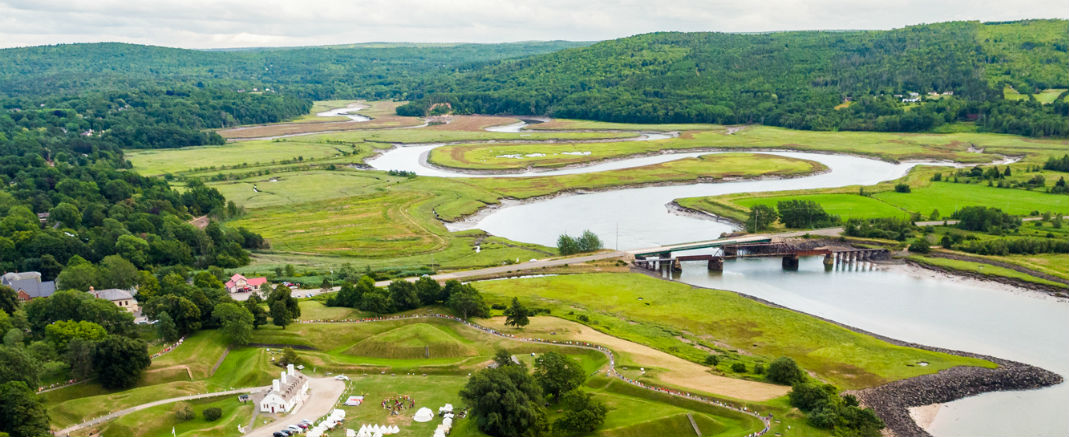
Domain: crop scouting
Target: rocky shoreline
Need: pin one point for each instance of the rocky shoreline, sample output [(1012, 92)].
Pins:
[(893, 400)]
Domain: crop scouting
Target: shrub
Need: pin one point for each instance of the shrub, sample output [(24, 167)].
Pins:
[(212, 414), (738, 368), (784, 370), (902, 188), (712, 360), (185, 413), (758, 368), (920, 245)]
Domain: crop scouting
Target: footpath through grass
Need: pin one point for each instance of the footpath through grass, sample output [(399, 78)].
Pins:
[(655, 312)]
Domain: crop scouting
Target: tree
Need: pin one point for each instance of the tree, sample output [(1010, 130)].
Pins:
[(166, 328), (212, 414), (403, 295), (117, 272), (428, 290), (516, 314), (589, 242), (784, 370), (78, 277), (22, 412), (289, 356), (9, 299), (259, 314), (235, 321), (133, 249), (17, 365), (582, 413), (920, 245), (505, 402), (186, 314), (761, 218), (567, 245), (804, 214), (280, 314), (61, 332), (119, 361), (80, 358), (466, 302), (556, 374), (283, 293)]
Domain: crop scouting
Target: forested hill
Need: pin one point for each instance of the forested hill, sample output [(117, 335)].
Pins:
[(359, 70), (793, 79)]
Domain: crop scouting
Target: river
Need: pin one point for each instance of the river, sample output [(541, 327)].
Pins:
[(900, 302)]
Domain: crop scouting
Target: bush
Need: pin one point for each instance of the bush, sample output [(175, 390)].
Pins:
[(902, 188), (758, 368), (185, 413), (738, 368), (920, 245), (784, 370), (712, 360), (212, 414)]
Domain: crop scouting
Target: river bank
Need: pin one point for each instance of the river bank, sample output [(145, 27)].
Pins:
[(892, 401)]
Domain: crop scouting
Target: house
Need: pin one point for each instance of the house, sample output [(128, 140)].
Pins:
[(287, 393), (28, 285), (239, 283), (121, 298)]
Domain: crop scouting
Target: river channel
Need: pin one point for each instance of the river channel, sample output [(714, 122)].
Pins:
[(909, 304)]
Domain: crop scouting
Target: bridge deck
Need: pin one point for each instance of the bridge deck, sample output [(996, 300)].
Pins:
[(642, 253)]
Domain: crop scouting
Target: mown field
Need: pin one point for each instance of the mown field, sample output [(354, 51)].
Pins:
[(983, 269), (679, 318)]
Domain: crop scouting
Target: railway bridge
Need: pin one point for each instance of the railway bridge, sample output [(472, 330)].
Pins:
[(661, 259)]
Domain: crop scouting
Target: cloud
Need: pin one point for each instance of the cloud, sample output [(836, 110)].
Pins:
[(248, 23)]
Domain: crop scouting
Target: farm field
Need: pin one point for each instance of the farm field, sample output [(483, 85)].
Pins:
[(382, 113), (155, 421), (948, 197), (663, 311)]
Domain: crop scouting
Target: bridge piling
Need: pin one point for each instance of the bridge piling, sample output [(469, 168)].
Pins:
[(790, 262)]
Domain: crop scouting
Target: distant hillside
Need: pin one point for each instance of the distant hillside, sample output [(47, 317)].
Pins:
[(378, 70), (808, 80)]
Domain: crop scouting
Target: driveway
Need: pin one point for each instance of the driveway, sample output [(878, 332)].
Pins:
[(323, 394)]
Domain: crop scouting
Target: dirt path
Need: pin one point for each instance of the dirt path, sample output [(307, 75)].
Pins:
[(673, 370)]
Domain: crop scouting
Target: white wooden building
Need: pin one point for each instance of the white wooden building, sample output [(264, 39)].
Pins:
[(287, 393)]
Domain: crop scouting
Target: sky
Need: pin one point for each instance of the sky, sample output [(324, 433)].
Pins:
[(263, 23)]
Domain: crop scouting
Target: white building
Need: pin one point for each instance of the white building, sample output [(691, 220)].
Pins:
[(287, 393)]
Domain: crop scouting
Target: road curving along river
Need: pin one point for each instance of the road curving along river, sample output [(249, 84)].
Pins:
[(896, 301)]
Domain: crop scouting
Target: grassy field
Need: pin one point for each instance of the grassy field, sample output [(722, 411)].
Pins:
[(1045, 97), (654, 312), (1050, 263), (948, 197), (155, 421), (983, 269), (881, 200), (844, 205)]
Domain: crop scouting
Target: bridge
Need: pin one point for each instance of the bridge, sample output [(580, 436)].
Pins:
[(661, 259)]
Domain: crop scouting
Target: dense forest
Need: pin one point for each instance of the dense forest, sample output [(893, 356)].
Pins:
[(857, 80), (374, 71)]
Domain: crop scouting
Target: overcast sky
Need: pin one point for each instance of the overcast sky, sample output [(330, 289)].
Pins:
[(257, 23)]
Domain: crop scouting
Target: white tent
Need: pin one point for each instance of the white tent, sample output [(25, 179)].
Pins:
[(423, 415), (350, 433)]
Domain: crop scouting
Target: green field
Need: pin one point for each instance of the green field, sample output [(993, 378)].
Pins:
[(1045, 97), (948, 197), (155, 421), (651, 311), (984, 269), (846, 206)]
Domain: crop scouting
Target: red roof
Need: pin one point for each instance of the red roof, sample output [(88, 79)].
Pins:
[(256, 281)]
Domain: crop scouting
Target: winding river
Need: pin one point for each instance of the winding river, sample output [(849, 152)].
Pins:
[(897, 301)]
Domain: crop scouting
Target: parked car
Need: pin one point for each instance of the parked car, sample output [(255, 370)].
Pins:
[(278, 434)]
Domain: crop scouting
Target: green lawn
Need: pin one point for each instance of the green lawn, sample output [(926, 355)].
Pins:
[(155, 421), (948, 197), (614, 301), (846, 206)]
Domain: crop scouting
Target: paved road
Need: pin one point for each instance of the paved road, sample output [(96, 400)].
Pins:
[(105, 418), (323, 396)]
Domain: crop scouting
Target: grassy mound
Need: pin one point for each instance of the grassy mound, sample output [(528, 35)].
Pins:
[(418, 340)]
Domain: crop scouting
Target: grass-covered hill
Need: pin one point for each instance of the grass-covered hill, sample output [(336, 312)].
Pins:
[(811, 80)]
